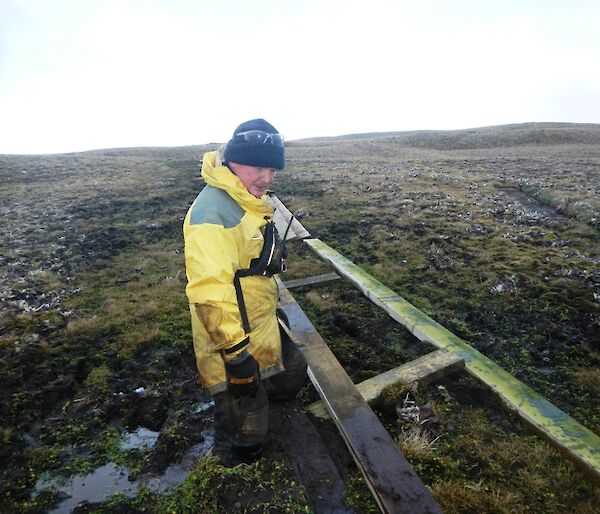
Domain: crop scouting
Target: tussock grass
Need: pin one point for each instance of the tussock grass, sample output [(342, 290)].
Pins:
[(89, 327), (416, 442), (134, 342), (588, 377), (458, 498)]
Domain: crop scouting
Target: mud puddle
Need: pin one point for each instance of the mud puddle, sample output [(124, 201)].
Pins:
[(177, 473), (112, 478), (94, 487), (142, 437)]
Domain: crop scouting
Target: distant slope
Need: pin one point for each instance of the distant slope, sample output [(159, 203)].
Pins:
[(383, 143), (524, 134)]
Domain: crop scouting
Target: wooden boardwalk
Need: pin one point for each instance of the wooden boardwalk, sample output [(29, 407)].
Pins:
[(578, 443), (391, 479)]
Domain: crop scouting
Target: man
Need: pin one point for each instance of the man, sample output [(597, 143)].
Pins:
[(231, 253)]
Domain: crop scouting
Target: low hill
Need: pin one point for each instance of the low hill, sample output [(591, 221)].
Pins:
[(523, 134)]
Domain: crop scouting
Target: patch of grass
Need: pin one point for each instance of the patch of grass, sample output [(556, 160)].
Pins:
[(589, 378), (99, 378), (460, 498), (416, 442), (213, 489), (322, 300), (484, 462)]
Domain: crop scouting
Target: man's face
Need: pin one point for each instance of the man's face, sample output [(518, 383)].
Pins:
[(256, 180)]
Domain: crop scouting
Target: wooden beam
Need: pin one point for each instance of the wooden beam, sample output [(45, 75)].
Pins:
[(391, 479), (309, 281), (574, 440), (425, 369), (282, 216)]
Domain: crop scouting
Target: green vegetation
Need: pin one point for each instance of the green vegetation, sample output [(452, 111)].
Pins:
[(494, 234), (265, 486)]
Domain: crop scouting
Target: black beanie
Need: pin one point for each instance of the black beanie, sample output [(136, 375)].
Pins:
[(261, 155)]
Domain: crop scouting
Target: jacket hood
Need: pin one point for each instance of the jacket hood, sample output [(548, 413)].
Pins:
[(221, 177)]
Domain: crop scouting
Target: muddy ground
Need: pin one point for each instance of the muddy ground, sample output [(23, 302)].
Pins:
[(492, 232)]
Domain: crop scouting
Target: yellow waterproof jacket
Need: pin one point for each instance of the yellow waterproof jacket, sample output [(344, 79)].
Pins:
[(223, 232)]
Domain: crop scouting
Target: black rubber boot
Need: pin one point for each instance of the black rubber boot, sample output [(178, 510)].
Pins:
[(241, 426)]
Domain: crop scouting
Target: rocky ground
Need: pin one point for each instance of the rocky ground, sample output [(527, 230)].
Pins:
[(492, 232)]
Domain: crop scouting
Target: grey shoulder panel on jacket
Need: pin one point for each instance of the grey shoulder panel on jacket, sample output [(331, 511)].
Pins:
[(216, 207)]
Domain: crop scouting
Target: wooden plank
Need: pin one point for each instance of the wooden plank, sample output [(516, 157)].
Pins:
[(391, 479), (425, 369), (309, 281), (282, 216), (575, 441)]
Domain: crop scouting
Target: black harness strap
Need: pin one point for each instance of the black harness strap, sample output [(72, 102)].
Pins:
[(270, 261), (243, 343), (240, 299)]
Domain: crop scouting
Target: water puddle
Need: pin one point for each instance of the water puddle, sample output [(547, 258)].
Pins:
[(111, 478), (142, 437), (177, 473), (95, 487), (203, 406)]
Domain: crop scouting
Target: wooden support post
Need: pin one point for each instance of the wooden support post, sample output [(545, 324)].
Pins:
[(309, 281), (577, 442), (391, 479), (425, 369)]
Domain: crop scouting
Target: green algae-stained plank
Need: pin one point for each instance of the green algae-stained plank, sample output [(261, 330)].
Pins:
[(282, 217), (574, 440), (425, 369)]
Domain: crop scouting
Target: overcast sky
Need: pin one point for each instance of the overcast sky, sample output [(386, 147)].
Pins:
[(86, 74)]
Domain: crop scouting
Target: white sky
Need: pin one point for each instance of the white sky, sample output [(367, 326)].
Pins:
[(86, 74)]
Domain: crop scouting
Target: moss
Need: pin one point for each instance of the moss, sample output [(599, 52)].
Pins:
[(359, 497), (43, 458), (394, 395), (99, 378)]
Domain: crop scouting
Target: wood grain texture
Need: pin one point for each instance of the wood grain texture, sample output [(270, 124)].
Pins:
[(394, 484)]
